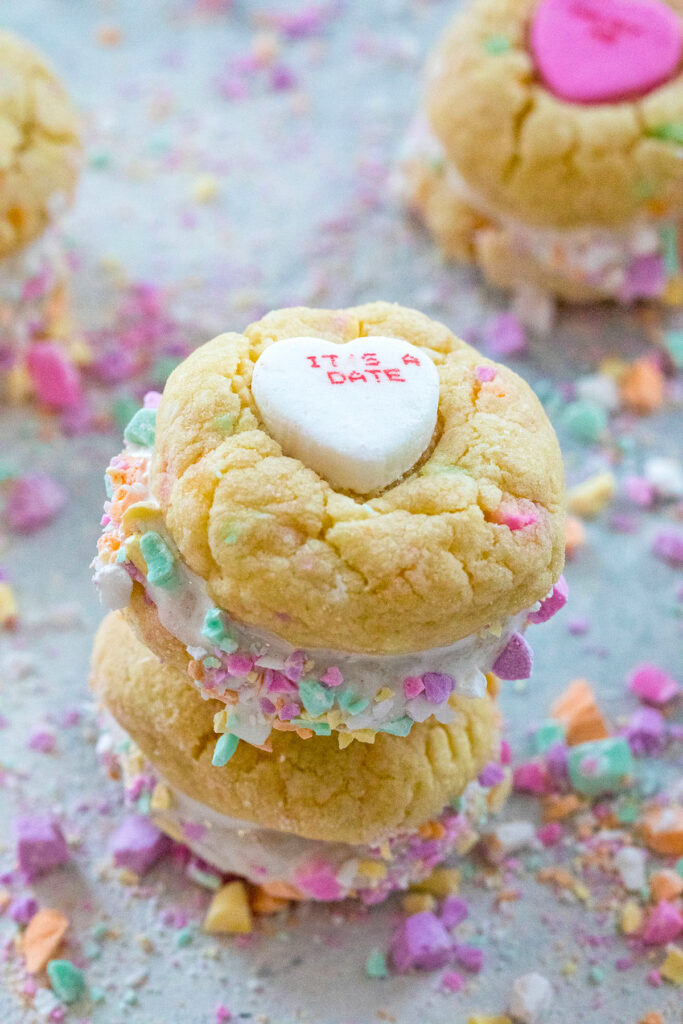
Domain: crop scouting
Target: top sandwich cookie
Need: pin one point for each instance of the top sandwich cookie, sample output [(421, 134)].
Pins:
[(550, 146), (337, 519)]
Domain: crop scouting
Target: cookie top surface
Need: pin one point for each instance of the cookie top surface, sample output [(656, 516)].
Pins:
[(41, 148), (564, 113), (469, 535), (313, 789)]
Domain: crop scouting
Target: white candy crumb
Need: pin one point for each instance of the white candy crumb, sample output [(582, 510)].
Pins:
[(530, 998)]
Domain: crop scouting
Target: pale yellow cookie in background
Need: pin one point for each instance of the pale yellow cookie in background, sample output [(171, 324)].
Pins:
[(574, 199), (307, 820), (40, 161)]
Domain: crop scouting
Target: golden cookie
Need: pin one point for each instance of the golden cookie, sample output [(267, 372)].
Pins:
[(579, 197), (305, 607)]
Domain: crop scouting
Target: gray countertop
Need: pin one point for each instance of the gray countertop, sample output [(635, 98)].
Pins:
[(301, 215)]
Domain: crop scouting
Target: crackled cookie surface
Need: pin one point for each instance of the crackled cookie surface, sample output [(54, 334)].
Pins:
[(549, 149), (361, 795), (422, 564), (309, 608), (41, 148)]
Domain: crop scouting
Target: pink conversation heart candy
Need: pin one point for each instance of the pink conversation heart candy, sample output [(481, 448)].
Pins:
[(602, 51)]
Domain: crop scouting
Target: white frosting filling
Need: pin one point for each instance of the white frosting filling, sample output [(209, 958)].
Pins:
[(265, 855), (599, 256)]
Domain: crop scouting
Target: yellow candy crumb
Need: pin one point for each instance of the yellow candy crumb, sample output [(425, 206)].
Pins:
[(364, 735), (479, 1019), (204, 188), (172, 830), (441, 883), (18, 384), (344, 740), (134, 554), (140, 512), (631, 917), (593, 495), (417, 902), (384, 694), (220, 720), (673, 293), (672, 968), (229, 911), (372, 869), (582, 893), (161, 797), (333, 717), (8, 605)]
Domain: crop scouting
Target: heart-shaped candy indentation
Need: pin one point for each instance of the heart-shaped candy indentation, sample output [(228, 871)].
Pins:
[(602, 51), (359, 414)]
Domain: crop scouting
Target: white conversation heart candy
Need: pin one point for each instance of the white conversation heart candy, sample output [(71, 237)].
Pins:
[(359, 414)]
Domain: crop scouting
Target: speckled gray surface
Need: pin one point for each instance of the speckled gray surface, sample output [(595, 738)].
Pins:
[(301, 215)]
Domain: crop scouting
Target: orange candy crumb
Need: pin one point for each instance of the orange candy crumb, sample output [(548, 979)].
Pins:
[(577, 709), (642, 386), (557, 808), (574, 535), (662, 829), (42, 937), (665, 885)]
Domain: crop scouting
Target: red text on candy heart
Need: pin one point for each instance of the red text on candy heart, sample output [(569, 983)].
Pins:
[(604, 27), (367, 370)]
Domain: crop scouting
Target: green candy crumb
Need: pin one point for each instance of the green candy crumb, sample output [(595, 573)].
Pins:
[(674, 346), (224, 749), (669, 132), (142, 428), (315, 697), (399, 726), (68, 982), (161, 570), (224, 423), (215, 630), (376, 964), (496, 45), (184, 937)]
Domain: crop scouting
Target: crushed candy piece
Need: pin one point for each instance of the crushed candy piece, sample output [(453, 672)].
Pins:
[(664, 923), (577, 709), (34, 500), (652, 684), (229, 911), (41, 846), (68, 982), (138, 844), (531, 997), (42, 938), (420, 942), (672, 968), (601, 766), (56, 380), (515, 661)]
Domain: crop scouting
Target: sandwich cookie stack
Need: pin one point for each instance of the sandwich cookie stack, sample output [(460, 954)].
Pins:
[(321, 548), (41, 156), (549, 147)]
